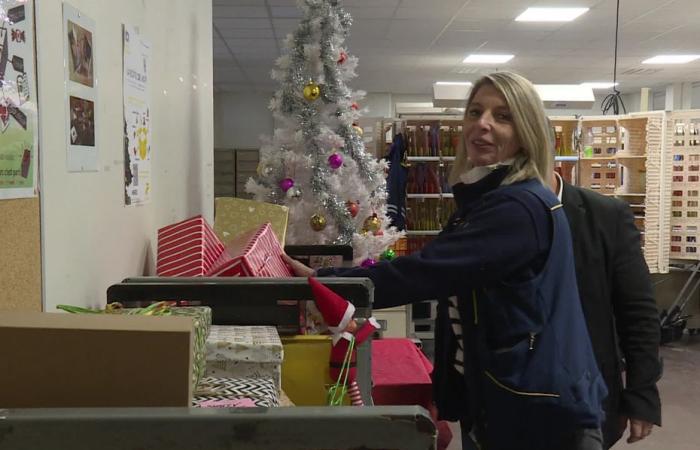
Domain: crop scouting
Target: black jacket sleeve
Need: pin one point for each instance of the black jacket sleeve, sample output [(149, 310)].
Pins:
[(505, 238), (637, 323)]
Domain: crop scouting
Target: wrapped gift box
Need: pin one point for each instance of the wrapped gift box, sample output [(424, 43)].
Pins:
[(261, 391), (254, 254), (201, 316), (236, 216), (187, 248), (244, 352)]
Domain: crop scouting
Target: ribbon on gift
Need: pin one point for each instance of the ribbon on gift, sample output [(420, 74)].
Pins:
[(337, 392)]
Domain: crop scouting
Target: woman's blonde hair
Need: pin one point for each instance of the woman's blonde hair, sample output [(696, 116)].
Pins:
[(534, 159)]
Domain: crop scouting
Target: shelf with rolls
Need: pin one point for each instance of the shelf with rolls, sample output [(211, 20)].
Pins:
[(683, 143), (432, 144)]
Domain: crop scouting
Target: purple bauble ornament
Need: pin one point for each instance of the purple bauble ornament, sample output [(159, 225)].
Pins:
[(286, 184), (335, 161), (369, 262)]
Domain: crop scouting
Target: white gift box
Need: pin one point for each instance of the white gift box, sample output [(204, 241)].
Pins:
[(244, 352)]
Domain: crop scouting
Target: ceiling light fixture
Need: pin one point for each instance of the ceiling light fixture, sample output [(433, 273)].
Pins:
[(614, 101), (671, 59), (599, 84), (550, 14), (487, 59)]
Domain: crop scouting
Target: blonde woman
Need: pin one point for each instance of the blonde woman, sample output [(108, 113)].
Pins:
[(513, 359)]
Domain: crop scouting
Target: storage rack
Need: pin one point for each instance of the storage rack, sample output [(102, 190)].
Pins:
[(313, 428)]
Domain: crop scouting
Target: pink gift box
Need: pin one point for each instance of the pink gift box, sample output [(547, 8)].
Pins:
[(256, 254)]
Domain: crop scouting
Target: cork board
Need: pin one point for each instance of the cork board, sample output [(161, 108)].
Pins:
[(20, 255)]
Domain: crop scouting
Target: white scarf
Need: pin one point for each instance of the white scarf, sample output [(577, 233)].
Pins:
[(478, 172)]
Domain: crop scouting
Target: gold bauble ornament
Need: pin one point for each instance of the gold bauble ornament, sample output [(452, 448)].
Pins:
[(318, 222), (372, 223), (312, 91), (263, 170), (358, 130)]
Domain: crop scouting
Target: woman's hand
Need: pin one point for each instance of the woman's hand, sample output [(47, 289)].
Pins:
[(299, 269)]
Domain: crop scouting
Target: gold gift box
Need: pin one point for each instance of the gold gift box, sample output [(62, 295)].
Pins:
[(235, 216)]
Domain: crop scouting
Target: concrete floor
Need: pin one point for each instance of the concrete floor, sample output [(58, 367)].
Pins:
[(680, 397)]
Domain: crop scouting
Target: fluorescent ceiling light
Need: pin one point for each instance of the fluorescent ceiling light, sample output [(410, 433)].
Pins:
[(454, 83), (566, 96), (671, 59), (550, 14), (485, 59), (599, 84)]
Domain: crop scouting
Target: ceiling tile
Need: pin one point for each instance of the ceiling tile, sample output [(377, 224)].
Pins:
[(239, 11), (371, 3), (372, 13), (242, 24), (254, 44), (286, 11), (393, 39), (237, 33)]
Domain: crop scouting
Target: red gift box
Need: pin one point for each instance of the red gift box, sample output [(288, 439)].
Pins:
[(187, 248), (255, 254)]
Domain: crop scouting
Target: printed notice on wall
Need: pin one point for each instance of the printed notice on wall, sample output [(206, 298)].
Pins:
[(137, 118), (18, 107), (81, 90)]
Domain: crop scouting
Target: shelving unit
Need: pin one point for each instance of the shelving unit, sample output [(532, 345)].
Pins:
[(683, 144), (621, 156), (566, 157)]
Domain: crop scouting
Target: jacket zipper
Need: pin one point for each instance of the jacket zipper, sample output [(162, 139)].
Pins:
[(531, 344), (514, 391)]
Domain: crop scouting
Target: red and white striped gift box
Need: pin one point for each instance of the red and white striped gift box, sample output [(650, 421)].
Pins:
[(187, 249), (256, 254)]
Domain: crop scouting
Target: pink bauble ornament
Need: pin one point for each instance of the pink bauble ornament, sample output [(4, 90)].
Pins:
[(335, 161), (286, 184), (369, 262), (343, 57)]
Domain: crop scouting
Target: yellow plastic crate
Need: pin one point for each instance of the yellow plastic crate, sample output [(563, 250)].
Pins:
[(305, 377)]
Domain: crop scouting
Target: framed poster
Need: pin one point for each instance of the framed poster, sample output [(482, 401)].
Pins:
[(81, 90), (18, 107), (137, 118)]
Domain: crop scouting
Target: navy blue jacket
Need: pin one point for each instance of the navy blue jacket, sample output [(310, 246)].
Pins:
[(530, 375)]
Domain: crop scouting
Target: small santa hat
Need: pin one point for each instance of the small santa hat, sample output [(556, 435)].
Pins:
[(336, 311)]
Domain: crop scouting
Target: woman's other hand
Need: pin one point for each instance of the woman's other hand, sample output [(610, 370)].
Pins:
[(299, 269)]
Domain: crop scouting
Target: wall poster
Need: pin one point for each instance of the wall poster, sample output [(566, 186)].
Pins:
[(18, 107), (137, 118), (81, 90)]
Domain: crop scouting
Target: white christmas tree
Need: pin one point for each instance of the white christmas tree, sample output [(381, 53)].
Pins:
[(316, 162)]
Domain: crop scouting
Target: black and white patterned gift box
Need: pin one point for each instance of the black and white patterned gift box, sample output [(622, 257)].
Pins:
[(261, 391)]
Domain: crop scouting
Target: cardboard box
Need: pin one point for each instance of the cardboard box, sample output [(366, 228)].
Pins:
[(253, 254), (187, 249), (236, 216), (244, 352), (80, 360)]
